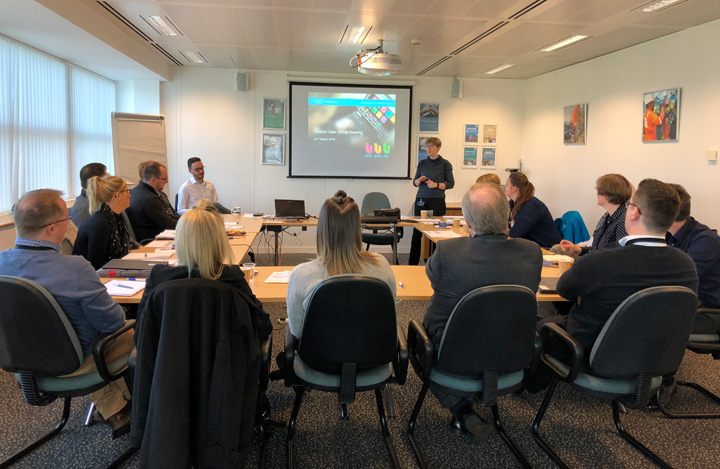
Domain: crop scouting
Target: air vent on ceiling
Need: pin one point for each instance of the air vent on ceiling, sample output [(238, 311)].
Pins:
[(167, 54), (124, 20), (527, 9)]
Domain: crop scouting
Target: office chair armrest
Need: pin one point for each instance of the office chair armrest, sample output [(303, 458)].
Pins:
[(421, 349), (290, 346), (98, 351), (537, 352), (400, 363), (553, 336), (265, 357)]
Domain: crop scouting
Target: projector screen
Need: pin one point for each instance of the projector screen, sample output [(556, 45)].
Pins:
[(349, 131)]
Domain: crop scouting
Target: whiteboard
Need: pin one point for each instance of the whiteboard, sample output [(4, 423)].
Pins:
[(137, 138)]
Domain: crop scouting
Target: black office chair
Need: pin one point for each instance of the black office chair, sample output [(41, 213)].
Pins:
[(380, 235), (699, 343), (643, 341), (487, 344), (196, 351), (39, 345), (350, 342)]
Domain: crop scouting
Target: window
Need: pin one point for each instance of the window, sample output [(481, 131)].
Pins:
[(54, 119)]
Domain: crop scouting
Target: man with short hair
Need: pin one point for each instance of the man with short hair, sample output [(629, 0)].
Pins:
[(79, 211), (149, 212), (197, 188), (702, 244), (460, 265), (601, 280), (41, 218)]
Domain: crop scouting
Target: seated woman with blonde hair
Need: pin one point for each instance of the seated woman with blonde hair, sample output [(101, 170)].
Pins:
[(489, 177), (203, 251), (103, 235), (339, 247)]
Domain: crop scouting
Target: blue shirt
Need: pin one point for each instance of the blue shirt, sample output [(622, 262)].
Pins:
[(702, 244), (72, 281), (535, 223)]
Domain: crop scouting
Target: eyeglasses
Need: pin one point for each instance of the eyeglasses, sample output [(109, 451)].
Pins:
[(59, 221), (628, 203), (198, 169), (162, 179), (126, 190)]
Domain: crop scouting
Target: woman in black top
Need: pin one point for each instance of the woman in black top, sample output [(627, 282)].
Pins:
[(433, 177), (103, 236)]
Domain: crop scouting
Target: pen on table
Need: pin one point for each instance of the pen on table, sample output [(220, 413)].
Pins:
[(401, 285), (123, 286), (132, 279)]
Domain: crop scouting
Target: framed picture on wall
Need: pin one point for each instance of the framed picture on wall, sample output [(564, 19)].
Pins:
[(661, 116), (274, 113), (470, 155), (273, 149), (421, 149), (488, 157), (429, 120), (575, 124), (471, 134), (490, 134)]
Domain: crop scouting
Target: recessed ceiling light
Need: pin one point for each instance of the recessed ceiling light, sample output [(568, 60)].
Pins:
[(658, 5), (564, 43), (160, 24), (194, 57), (499, 69), (354, 34)]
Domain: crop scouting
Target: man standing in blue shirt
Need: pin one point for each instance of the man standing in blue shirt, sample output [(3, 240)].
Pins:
[(702, 244), (41, 219)]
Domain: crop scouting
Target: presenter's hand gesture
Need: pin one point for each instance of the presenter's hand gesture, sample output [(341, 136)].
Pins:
[(432, 184), (420, 180)]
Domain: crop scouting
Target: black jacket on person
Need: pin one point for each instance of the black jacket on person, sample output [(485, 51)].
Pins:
[(196, 381), (102, 237), (150, 214)]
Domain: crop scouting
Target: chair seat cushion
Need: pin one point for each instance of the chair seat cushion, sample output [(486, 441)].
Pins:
[(466, 385), (328, 381), (603, 387), (53, 384)]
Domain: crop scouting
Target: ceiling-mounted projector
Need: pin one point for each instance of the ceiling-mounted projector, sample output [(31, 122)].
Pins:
[(376, 62)]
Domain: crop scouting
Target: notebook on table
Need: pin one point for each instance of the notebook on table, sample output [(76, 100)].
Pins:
[(290, 209)]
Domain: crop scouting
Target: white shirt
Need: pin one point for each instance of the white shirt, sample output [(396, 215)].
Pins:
[(193, 192)]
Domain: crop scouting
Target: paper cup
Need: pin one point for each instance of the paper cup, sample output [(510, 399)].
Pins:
[(247, 271), (423, 214), (237, 210), (251, 268), (456, 223), (564, 266), (430, 213)]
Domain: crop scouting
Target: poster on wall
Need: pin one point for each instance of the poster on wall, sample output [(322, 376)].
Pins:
[(429, 117), (273, 149), (661, 115), (575, 124), (488, 157), (470, 155), (274, 113), (490, 134), (421, 149), (472, 133)]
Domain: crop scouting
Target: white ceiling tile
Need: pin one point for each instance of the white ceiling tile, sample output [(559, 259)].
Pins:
[(293, 29), (228, 26), (193, 24), (260, 26)]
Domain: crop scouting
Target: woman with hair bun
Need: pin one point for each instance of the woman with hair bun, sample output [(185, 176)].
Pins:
[(103, 236), (529, 216)]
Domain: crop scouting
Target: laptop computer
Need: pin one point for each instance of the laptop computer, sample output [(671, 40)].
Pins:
[(548, 285), (290, 209)]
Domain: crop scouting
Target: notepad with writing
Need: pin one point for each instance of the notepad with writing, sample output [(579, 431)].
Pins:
[(279, 277), (124, 287)]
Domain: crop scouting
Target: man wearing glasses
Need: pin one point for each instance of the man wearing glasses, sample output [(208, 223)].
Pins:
[(197, 188), (41, 219), (150, 213)]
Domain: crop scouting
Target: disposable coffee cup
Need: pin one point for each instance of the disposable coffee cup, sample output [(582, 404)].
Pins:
[(237, 210), (423, 214), (252, 269), (456, 223), (564, 266), (247, 272)]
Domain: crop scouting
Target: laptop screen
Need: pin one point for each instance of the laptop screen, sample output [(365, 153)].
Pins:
[(285, 208)]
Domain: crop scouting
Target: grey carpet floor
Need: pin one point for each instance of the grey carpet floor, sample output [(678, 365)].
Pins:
[(579, 427)]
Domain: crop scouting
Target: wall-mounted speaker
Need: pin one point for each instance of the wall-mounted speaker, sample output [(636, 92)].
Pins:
[(456, 88), (241, 81)]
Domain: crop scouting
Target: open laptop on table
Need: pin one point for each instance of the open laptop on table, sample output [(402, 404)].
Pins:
[(290, 209)]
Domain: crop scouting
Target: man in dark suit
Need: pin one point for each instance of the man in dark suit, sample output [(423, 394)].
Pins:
[(461, 265), (150, 213)]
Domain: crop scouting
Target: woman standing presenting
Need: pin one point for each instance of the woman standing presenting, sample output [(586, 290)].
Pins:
[(529, 216), (433, 177)]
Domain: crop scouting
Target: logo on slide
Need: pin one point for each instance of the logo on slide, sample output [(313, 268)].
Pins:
[(377, 150)]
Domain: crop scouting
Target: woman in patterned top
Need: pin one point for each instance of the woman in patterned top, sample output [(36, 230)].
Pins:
[(613, 190), (103, 236)]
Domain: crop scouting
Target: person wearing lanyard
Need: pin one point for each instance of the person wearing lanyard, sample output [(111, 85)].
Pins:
[(433, 177), (613, 190)]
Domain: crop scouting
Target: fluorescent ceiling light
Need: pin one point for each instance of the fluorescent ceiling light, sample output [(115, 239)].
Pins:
[(160, 23), (355, 34), (194, 57), (499, 69), (658, 5), (564, 43)]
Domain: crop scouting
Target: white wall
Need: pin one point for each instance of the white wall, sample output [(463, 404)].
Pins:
[(564, 176), (137, 96), (206, 117)]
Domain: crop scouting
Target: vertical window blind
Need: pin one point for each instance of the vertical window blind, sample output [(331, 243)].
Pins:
[(54, 119)]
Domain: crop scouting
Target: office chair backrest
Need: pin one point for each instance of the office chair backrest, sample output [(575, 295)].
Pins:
[(372, 201), (491, 328), (646, 334), (350, 319), (35, 334)]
